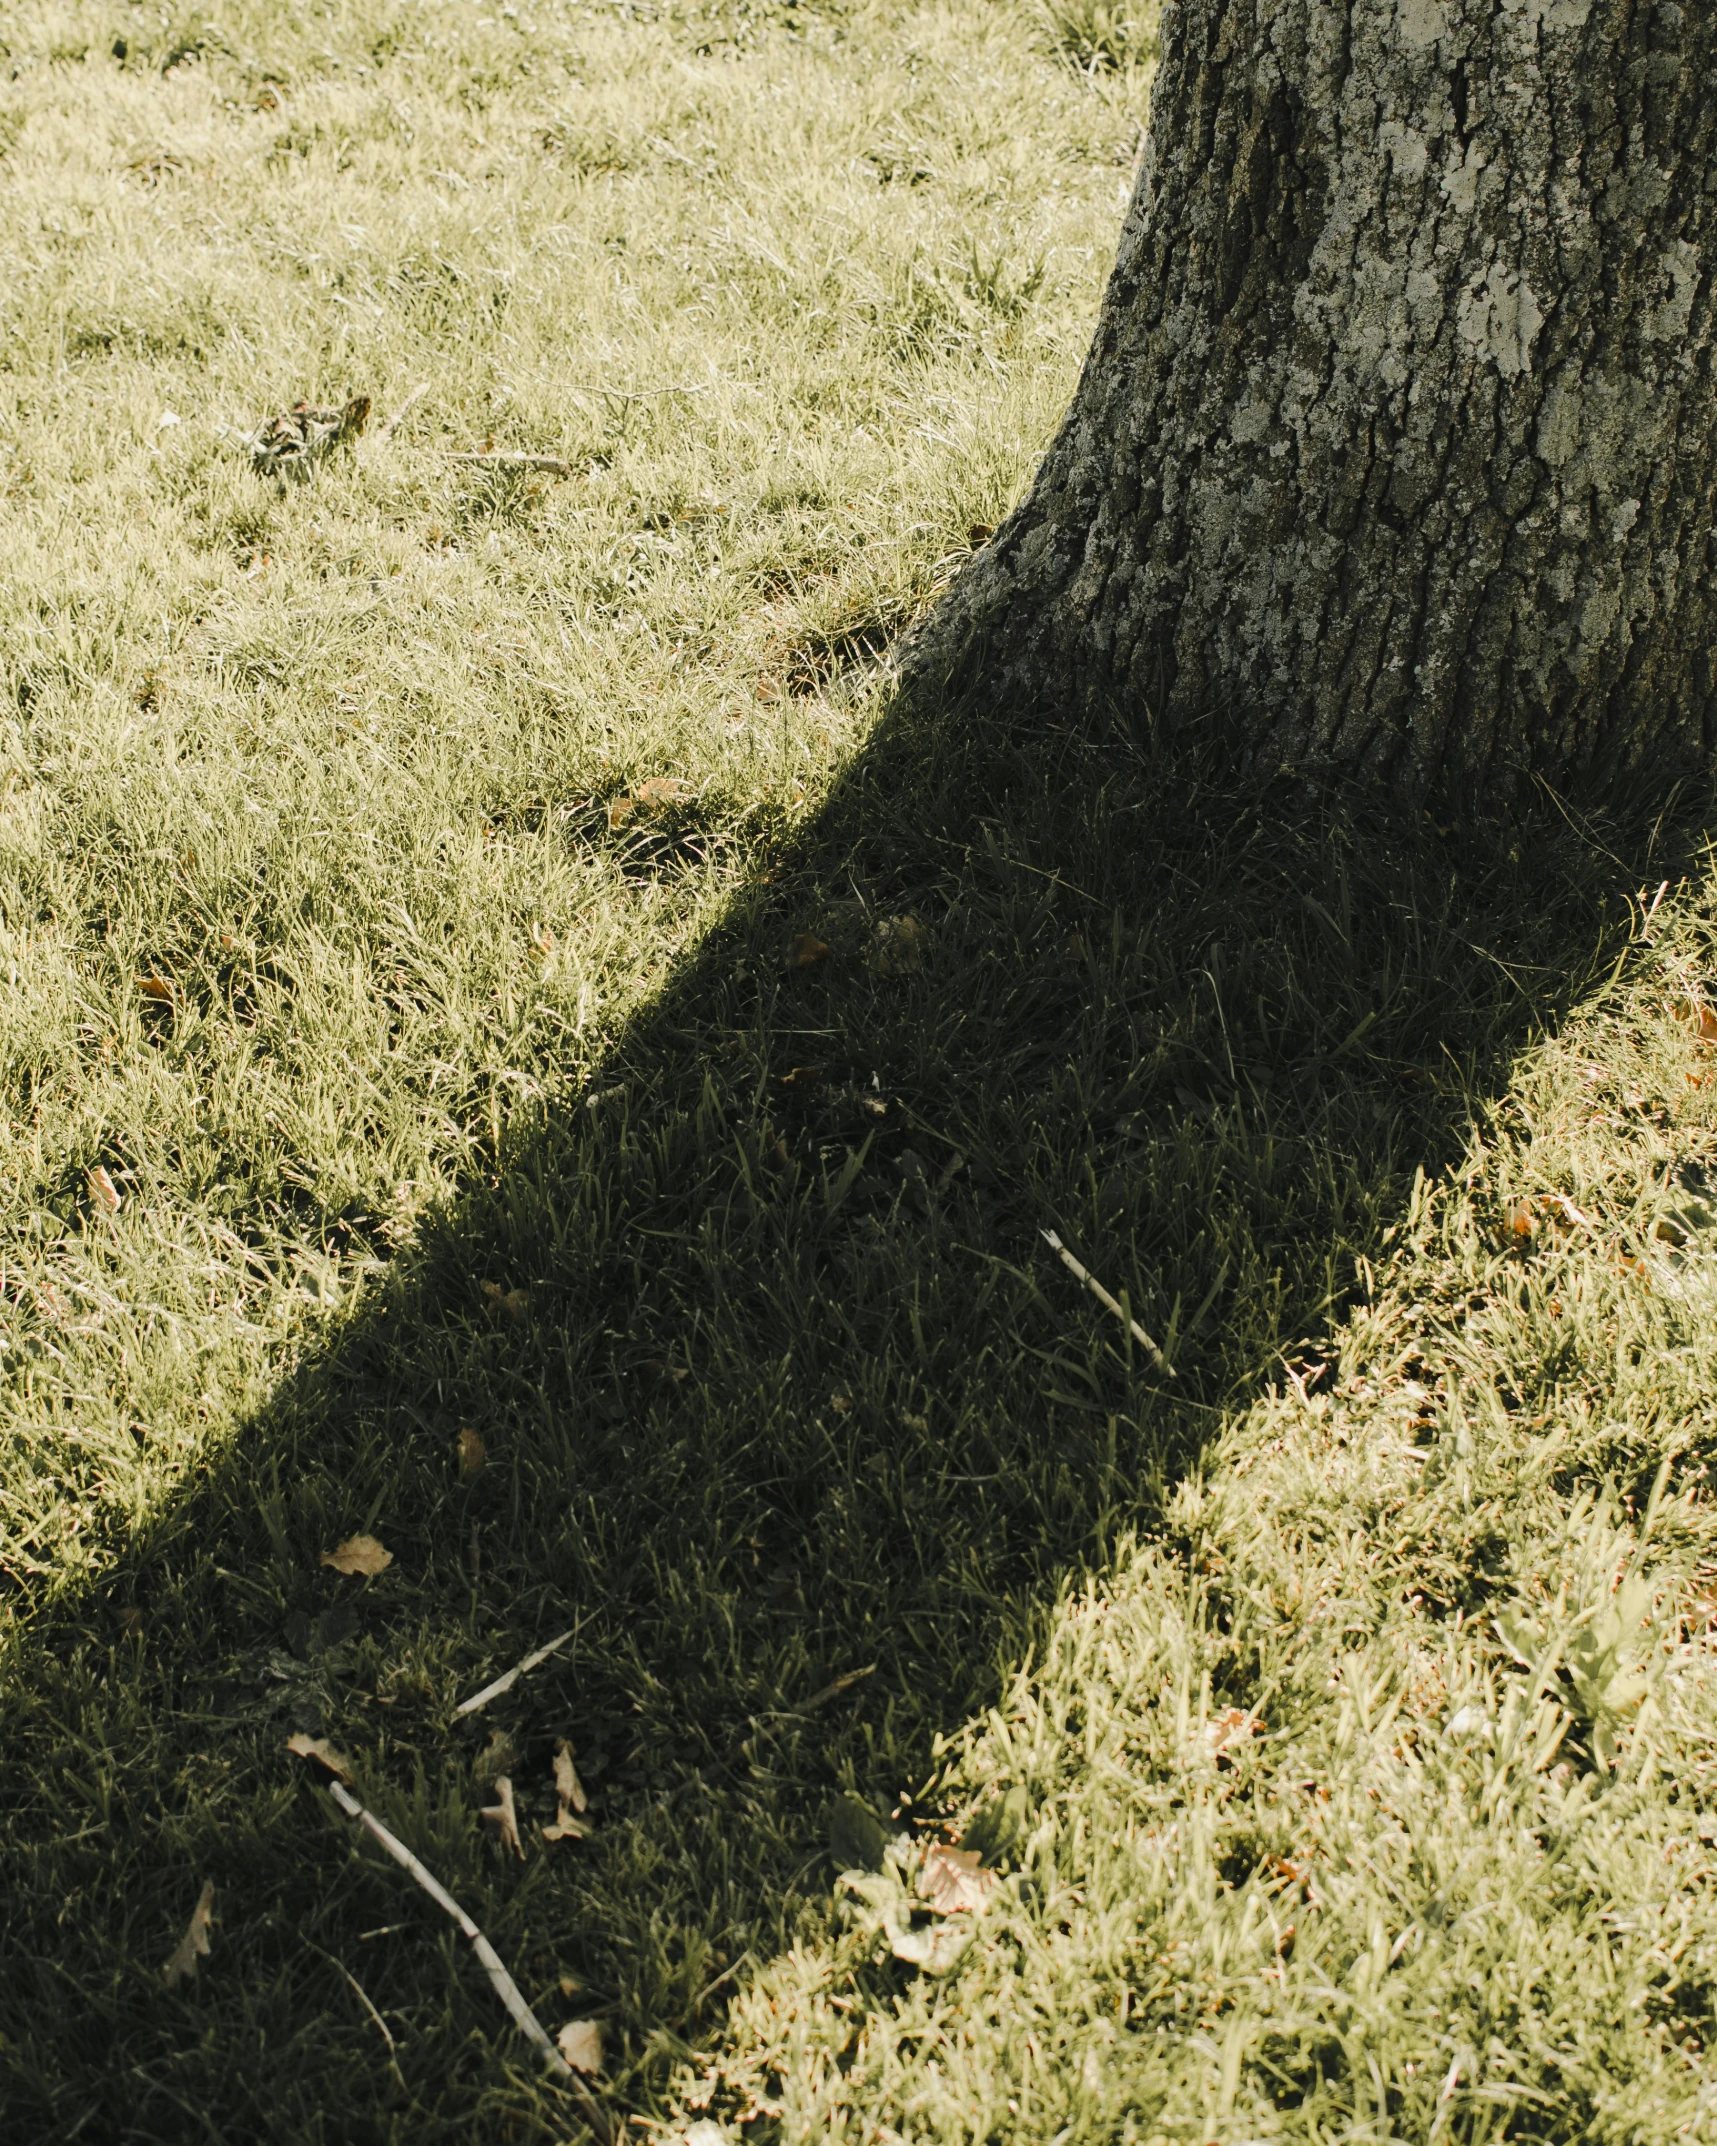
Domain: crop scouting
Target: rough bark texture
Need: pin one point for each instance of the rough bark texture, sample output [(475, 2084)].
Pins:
[(1398, 438)]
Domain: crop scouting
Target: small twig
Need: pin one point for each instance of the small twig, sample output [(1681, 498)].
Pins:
[(503, 1984), (1570, 1210), (510, 458), (834, 1690), (387, 431), (363, 1997), (630, 394), (1083, 1274), (506, 1683)]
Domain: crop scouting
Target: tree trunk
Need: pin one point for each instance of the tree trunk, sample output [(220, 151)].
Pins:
[(1397, 442)]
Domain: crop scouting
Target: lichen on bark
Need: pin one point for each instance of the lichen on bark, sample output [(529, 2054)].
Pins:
[(1397, 441)]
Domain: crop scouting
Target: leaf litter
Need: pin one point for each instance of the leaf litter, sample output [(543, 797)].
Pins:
[(292, 443), (490, 1960), (581, 2044), (194, 1945), (503, 1815), (570, 1798), (359, 1556)]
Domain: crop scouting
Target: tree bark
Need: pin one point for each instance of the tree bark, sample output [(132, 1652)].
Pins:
[(1397, 441)]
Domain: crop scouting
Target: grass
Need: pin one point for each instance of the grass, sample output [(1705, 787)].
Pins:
[(453, 1080)]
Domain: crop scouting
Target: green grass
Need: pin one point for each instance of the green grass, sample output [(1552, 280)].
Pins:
[(480, 1101)]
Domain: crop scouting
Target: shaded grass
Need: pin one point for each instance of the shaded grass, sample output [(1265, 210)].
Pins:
[(786, 1398)]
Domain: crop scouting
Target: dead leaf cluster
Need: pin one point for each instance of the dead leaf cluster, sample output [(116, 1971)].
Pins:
[(292, 443), (898, 946), (659, 795)]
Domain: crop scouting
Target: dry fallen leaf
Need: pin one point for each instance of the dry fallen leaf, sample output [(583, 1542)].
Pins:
[(580, 2042), (1701, 1017), (503, 1815), (621, 809), (1226, 1732), (802, 1078), (805, 950), (194, 1945), (953, 1882), (542, 939), (567, 1786), (570, 1796), (473, 1454), (323, 1752), (155, 987), (511, 1301), (359, 1554), (898, 946), (293, 442), (104, 1190), (1518, 1220), (661, 791)]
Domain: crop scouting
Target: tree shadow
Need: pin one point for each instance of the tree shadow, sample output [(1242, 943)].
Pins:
[(785, 1407)]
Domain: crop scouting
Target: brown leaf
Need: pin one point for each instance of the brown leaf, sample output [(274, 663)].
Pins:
[(473, 1454), (1518, 1220), (1226, 1732), (953, 1882), (155, 987), (1700, 1017), (567, 1786), (359, 1554), (194, 1945), (621, 809), (569, 1795), (503, 1815), (802, 1078), (104, 1190), (897, 947), (323, 1752), (805, 950), (580, 2042), (511, 1301), (662, 792), (542, 939)]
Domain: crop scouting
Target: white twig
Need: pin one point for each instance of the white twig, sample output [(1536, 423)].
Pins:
[(387, 431), (630, 394), (1571, 1211), (519, 1669), (504, 1986), (1083, 1274), (513, 458)]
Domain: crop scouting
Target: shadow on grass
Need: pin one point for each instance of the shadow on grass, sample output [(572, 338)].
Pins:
[(778, 1386)]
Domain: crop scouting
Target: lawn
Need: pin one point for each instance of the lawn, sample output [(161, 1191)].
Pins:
[(520, 1044)]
